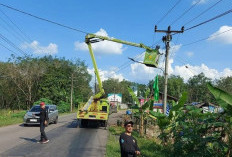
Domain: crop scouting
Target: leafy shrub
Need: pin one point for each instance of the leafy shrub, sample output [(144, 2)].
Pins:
[(45, 100), (63, 107), (18, 115)]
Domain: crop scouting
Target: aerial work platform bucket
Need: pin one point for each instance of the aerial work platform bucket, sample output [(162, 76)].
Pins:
[(151, 58)]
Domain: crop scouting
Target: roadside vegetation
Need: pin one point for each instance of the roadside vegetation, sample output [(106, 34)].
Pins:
[(149, 147), (7, 117), (186, 131)]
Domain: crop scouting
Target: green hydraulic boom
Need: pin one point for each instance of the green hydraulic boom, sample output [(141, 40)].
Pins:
[(97, 108), (151, 56)]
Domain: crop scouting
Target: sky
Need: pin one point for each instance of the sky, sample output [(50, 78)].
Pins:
[(129, 20)]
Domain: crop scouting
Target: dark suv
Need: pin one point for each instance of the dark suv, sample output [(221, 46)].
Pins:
[(31, 118)]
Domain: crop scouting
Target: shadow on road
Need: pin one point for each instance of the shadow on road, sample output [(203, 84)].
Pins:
[(29, 139), (31, 125), (73, 124)]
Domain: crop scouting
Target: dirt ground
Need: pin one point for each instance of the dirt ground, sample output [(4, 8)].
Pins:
[(114, 117)]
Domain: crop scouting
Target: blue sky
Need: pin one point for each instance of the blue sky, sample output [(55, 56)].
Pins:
[(127, 20)]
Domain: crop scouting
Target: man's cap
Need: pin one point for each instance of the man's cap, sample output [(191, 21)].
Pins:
[(42, 103), (128, 122)]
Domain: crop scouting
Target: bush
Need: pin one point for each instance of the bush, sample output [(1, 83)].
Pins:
[(45, 100), (63, 107), (18, 115)]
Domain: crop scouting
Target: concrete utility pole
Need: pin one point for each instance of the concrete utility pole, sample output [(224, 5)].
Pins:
[(71, 97), (166, 39)]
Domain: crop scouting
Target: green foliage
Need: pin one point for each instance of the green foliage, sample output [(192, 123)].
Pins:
[(63, 107), (225, 100), (220, 94), (194, 133), (25, 80), (8, 117), (197, 89), (148, 147), (45, 100), (134, 97), (190, 132)]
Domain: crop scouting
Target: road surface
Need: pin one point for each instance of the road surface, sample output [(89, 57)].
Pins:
[(66, 140)]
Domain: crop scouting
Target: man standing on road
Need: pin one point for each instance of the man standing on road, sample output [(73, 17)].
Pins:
[(128, 143), (43, 122)]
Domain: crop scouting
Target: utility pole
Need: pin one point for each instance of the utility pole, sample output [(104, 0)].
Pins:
[(166, 39), (71, 97)]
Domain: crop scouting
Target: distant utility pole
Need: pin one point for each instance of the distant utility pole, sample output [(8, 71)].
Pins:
[(71, 97), (166, 39)]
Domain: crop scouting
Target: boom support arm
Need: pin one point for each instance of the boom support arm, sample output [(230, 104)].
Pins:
[(95, 38), (102, 92)]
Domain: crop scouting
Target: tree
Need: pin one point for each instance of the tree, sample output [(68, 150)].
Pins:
[(176, 85), (225, 84), (197, 88)]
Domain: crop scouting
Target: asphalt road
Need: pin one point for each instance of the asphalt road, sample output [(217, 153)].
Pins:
[(66, 140)]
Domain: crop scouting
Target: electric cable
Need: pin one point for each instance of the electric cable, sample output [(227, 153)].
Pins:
[(185, 12), (43, 19), (8, 49), (25, 36), (203, 12), (169, 11), (207, 21), (12, 44), (207, 38)]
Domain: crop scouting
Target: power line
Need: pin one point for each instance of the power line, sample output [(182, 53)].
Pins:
[(207, 38), (14, 33), (185, 12), (12, 44), (214, 18), (203, 12), (43, 19), (162, 18), (25, 36), (8, 49)]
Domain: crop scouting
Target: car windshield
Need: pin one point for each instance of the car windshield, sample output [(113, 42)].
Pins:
[(36, 109)]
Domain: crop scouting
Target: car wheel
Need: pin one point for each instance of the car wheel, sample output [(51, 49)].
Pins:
[(56, 121)]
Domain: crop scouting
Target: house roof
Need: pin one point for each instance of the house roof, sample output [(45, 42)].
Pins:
[(169, 96), (205, 104)]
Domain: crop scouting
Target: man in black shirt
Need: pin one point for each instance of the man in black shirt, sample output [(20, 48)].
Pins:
[(128, 143), (43, 122)]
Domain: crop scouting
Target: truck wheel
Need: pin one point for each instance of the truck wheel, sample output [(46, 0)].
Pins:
[(80, 123), (56, 121), (105, 125)]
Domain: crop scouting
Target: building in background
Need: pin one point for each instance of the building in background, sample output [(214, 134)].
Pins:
[(115, 101)]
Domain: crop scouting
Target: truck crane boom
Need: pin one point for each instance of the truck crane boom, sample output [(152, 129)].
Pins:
[(97, 108)]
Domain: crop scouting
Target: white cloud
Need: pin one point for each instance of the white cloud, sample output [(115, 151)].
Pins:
[(40, 50), (106, 74), (189, 54), (187, 71), (102, 47), (199, 2), (223, 35)]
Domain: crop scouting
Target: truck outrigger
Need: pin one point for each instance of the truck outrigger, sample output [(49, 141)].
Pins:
[(97, 108)]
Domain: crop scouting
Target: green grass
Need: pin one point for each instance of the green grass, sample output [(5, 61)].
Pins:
[(8, 117), (148, 147)]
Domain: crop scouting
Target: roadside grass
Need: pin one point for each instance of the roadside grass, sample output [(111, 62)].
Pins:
[(149, 147), (8, 117)]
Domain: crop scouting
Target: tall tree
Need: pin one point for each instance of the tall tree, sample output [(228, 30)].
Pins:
[(225, 84)]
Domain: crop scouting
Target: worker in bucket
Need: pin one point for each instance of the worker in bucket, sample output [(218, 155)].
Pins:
[(128, 144), (43, 122)]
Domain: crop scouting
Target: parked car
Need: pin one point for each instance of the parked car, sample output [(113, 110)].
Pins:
[(31, 118)]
